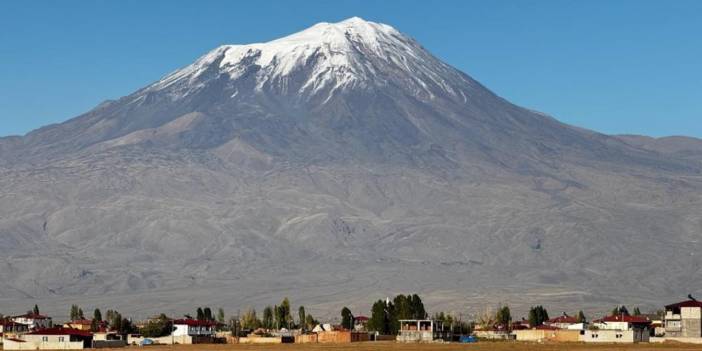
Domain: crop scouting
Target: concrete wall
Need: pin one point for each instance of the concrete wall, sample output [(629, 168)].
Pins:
[(691, 322), (560, 335), (260, 340), (614, 336), (34, 345)]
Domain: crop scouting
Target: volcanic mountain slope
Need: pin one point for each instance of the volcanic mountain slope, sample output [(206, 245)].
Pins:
[(338, 165)]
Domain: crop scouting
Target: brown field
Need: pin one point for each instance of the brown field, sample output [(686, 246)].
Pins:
[(392, 346)]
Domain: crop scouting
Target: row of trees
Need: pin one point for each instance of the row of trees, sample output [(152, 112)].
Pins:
[(277, 317), (205, 314), (385, 315)]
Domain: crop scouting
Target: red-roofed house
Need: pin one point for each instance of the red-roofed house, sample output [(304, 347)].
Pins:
[(58, 338), (360, 323), (565, 322), (620, 329), (684, 319)]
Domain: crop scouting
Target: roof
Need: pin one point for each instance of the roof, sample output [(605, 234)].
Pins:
[(6, 322), (61, 331), (195, 323), (81, 322), (546, 327), (688, 303), (565, 319), (361, 318), (625, 318), (31, 316)]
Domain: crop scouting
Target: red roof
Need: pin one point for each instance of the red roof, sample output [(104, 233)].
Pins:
[(625, 318), (563, 320), (361, 318), (61, 331), (688, 303), (195, 323)]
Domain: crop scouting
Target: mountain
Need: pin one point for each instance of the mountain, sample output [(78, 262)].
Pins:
[(338, 165), (677, 146)]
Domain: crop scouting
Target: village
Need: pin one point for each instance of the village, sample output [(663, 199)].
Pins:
[(402, 321)]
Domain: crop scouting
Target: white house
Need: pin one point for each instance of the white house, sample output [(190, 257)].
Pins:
[(33, 320), (619, 328), (192, 327), (50, 339)]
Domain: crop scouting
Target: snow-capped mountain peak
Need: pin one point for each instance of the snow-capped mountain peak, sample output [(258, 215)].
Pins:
[(326, 57)]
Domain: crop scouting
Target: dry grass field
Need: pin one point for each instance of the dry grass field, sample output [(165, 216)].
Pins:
[(392, 346)]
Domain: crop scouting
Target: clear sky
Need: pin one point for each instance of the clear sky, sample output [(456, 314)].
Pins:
[(614, 66)]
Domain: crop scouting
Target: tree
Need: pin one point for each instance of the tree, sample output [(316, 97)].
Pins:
[(285, 316), (637, 311), (537, 316), (220, 315), (249, 320), (97, 319), (74, 313), (310, 322), (346, 318), (503, 317), (200, 314), (157, 328), (36, 309), (383, 318), (581, 317), (268, 317), (80, 314), (302, 318), (207, 312), (620, 310)]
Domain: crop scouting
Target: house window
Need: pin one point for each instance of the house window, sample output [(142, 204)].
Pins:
[(60, 338), (45, 338)]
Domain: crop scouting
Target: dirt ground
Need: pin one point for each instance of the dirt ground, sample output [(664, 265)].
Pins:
[(392, 346)]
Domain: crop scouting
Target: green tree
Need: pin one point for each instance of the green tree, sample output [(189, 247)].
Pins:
[(637, 311), (346, 318), (200, 314), (36, 309), (220, 315), (285, 313), (157, 328), (76, 313), (537, 316), (207, 312), (581, 317), (97, 315), (620, 310), (310, 322), (268, 317), (503, 316), (249, 320), (302, 318), (383, 318)]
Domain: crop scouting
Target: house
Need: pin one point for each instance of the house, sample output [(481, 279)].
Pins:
[(360, 323), (684, 319), (565, 322), (427, 330), (33, 320), (193, 327), (80, 324), (619, 329), (543, 333), (57, 338)]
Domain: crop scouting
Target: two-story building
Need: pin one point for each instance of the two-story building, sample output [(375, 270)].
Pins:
[(618, 329), (426, 330), (684, 319), (193, 327)]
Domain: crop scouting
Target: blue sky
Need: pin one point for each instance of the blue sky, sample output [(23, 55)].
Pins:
[(612, 66)]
